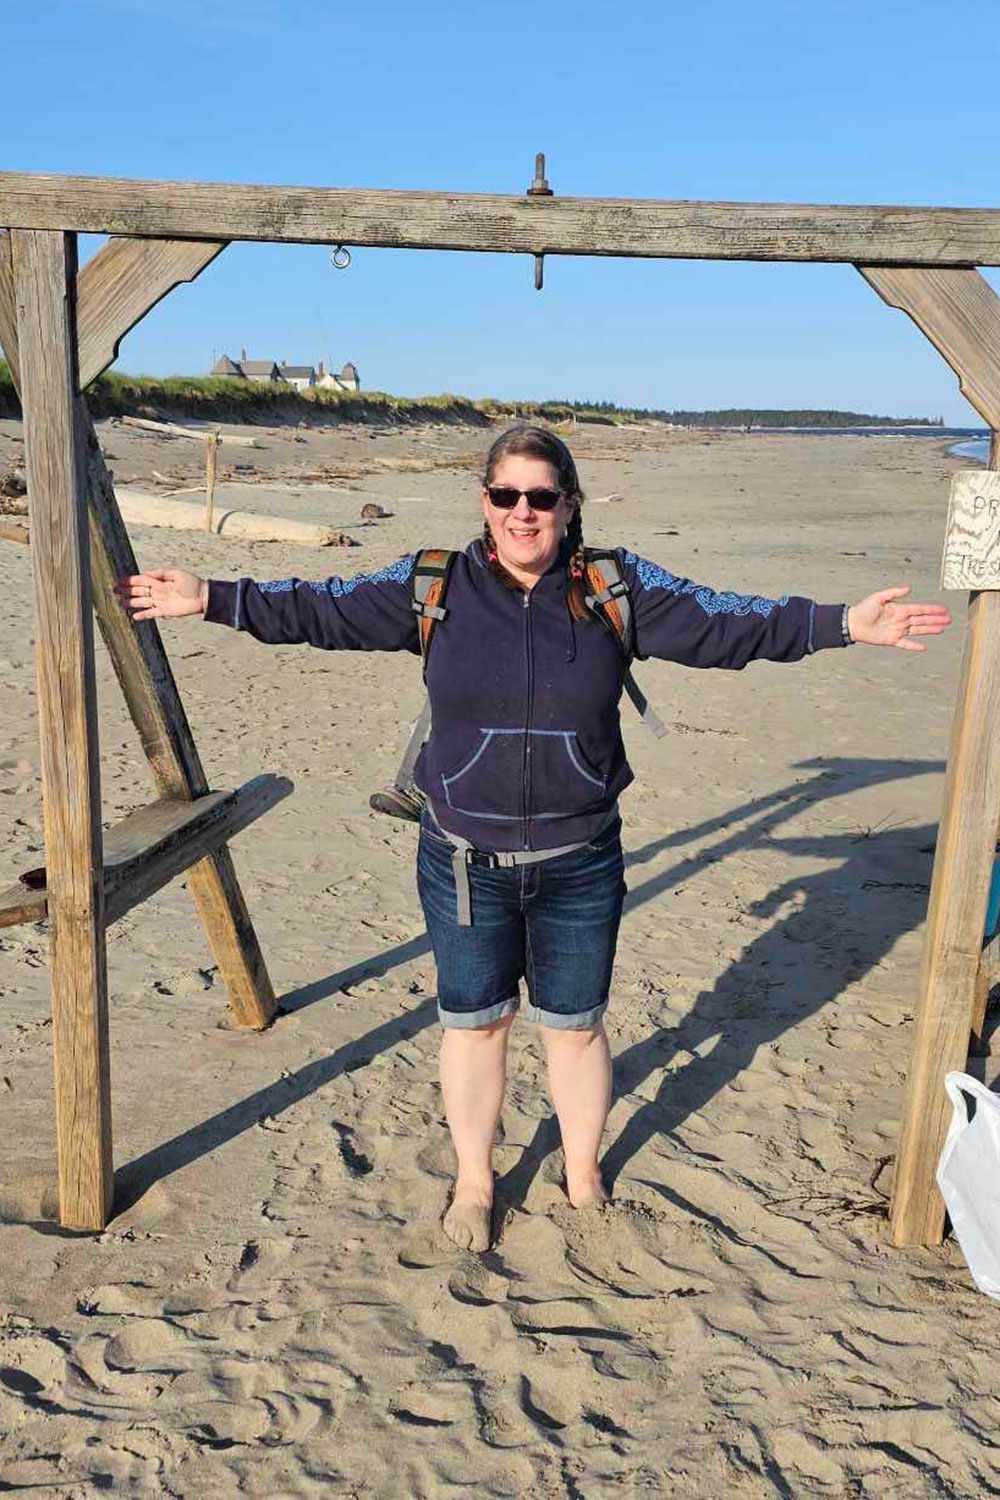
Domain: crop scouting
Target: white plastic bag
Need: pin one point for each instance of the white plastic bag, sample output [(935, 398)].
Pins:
[(968, 1175)]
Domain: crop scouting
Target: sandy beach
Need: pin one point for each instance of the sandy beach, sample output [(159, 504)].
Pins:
[(274, 1310)]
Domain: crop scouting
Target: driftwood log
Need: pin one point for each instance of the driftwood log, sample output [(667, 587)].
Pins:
[(156, 510), (174, 430)]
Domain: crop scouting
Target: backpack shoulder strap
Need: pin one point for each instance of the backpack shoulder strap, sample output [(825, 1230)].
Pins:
[(610, 600), (428, 588), (608, 596)]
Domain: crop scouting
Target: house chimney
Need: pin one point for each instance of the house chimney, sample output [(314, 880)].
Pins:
[(320, 370), (243, 356)]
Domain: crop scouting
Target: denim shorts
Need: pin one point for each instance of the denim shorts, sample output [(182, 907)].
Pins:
[(553, 924)]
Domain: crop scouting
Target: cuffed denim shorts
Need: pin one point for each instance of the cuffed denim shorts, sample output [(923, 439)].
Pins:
[(553, 924)]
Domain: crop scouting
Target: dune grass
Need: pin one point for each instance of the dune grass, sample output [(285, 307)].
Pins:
[(216, 398)]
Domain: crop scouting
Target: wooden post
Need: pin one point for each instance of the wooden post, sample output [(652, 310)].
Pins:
[(44, 266), (989, 968), (956, 914), (147, 682), (960, 313), (211, 453), (8, 309)]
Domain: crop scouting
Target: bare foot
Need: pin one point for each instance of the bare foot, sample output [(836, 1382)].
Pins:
[(468, 1220), (587, 1191)]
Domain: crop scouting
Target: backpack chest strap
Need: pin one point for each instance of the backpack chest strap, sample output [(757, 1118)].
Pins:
[(618, 589)]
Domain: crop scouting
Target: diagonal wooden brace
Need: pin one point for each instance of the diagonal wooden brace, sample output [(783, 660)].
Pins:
[(960, 313), (143, 669), (123, 281)]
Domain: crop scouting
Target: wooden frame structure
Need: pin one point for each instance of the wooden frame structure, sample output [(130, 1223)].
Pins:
[(60, 330)]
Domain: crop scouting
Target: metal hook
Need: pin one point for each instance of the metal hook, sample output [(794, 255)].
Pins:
[(340, 257), (539, 189)]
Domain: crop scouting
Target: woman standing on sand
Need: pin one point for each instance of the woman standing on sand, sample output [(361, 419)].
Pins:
[(520, 867)]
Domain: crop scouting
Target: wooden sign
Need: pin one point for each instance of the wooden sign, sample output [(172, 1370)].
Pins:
[(972, 538)]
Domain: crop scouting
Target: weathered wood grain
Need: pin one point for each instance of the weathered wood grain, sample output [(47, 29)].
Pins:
[(945, 1011), (155, 844), (147, 682), (44, 281), (871, 234), (159, 842), (988, 973), (117, 288), (971, 557), (8, 310), (959, 312)]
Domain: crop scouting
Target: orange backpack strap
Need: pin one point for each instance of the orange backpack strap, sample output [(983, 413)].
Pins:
[(428, 587), (610, 601), (608, 596)]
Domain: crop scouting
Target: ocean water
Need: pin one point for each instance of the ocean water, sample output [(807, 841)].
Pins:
[(971, 442), (978, 449)]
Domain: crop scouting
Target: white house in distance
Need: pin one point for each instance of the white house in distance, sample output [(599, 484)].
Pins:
[(302, 377), (347, 380)]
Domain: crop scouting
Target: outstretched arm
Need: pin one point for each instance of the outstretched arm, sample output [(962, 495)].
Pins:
[(369, 612), (687, 622)]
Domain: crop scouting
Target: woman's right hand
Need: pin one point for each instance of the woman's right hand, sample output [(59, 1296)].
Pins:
[(163, 594)]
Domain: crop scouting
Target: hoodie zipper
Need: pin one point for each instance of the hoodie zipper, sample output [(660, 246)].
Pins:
[(526, 760)]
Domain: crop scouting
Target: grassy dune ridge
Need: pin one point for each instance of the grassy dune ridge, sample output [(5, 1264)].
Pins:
[(219, 399)]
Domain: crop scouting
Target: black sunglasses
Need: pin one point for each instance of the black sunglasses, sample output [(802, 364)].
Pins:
[(505, 497)]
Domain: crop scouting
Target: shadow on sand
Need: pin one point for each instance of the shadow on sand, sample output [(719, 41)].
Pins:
[(785, 974)]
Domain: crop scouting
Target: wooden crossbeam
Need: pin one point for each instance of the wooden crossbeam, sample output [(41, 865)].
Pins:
[(155, 844), (117, 288), (147, 682), (867, 233), (44, 273)]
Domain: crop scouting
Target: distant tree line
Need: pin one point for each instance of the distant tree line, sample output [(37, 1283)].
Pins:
[(737, 416)]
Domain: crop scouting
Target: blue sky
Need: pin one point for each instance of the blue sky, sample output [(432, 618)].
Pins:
[(840, 101)]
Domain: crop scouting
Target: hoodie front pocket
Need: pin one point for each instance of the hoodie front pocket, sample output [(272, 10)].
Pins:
[(492, 780), (562, 780)]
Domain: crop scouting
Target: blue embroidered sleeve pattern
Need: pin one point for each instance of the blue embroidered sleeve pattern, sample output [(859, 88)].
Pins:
[(652, 576), (369, 612), (340, 588)]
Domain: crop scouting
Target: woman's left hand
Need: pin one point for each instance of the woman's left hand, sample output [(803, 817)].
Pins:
[(883, 620)]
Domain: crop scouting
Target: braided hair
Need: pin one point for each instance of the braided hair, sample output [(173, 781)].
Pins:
[(539, 442)]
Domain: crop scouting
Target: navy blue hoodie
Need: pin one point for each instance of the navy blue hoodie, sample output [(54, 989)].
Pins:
[(526, 749)]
